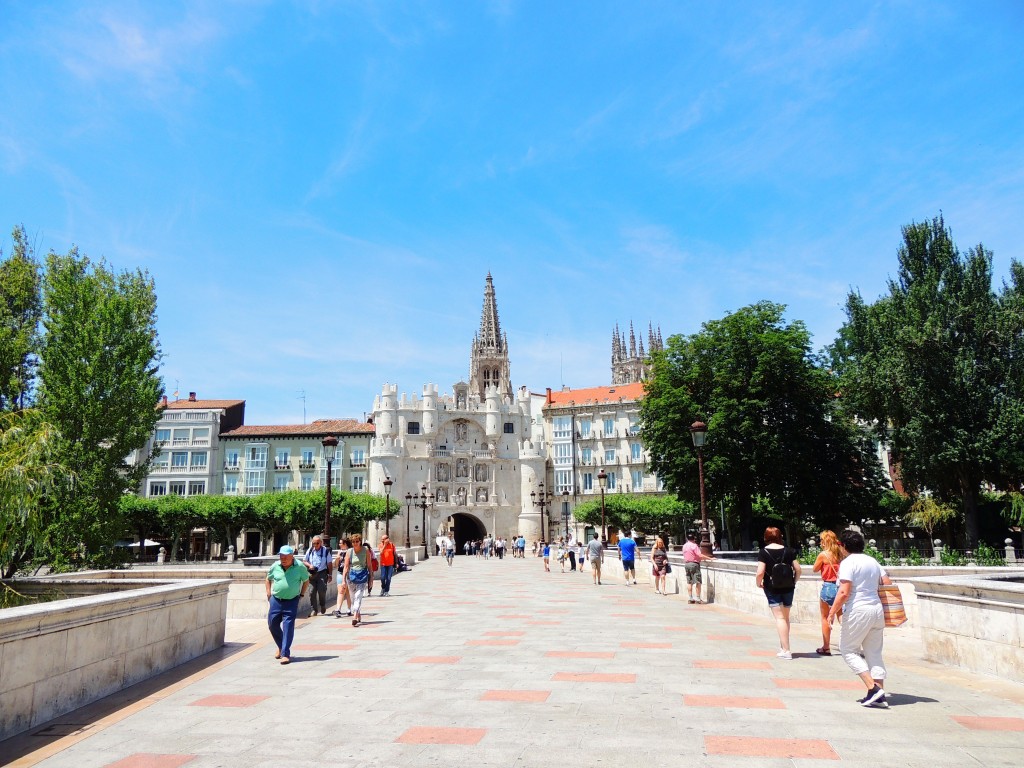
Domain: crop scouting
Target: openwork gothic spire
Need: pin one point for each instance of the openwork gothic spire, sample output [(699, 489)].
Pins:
[(629, 359), (488, 364)]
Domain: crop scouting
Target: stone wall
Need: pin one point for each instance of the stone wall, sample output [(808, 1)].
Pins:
[(61, 655)]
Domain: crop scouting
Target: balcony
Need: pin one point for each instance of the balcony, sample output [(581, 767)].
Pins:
[(307, 465), (200, 442), (286, 466), (439, 453), (198, 416), (232, 467), (195, 469), (357, 464)]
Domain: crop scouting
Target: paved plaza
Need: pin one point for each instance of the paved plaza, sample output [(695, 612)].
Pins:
[(496, 663)]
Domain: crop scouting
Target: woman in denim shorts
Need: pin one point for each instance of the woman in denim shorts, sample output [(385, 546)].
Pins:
[(780, 600), (827, 564)]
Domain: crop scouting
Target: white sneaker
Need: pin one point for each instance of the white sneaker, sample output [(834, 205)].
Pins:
[(785, 655)]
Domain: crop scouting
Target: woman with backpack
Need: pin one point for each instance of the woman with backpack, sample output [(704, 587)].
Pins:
[(339, 567), (777, 573), (358, 576), (827, 564)]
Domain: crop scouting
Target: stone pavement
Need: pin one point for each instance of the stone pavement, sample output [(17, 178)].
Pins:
[(496, 663)]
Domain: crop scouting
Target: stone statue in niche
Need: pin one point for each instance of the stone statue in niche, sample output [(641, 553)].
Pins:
[(461, 431), (480, 472), (460, 496), (442, 495), (481, 494), (443, 473), (462, 468)]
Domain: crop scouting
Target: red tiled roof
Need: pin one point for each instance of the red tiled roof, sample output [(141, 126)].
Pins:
[(320, 427), (596, 395), (178, 405)]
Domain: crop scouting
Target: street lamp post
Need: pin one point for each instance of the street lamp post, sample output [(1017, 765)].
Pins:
[(388, 482), (541, 501), (565, 512), (425, 501), (330, 444), (602, 480), (408, 514), (698, 430)]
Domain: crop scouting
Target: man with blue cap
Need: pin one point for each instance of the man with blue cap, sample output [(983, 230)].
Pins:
[(286, 585)]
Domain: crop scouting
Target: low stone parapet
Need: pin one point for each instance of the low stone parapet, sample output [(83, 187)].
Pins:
[(58, 656)]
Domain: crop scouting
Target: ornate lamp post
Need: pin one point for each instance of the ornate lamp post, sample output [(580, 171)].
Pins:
[(541, 501), (565, 512), (330, 444), (388, 482), (425, 501), (408, 514), (602, 480), (698, 430)]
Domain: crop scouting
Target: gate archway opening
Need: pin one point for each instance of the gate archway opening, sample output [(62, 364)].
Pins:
[(466, 528)]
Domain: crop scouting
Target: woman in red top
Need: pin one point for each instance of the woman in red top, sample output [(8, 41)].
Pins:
[(387, 565), (827, 564)]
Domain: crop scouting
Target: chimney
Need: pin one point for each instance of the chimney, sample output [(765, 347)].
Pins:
[(549, 395), (191, 397), (163, 401)]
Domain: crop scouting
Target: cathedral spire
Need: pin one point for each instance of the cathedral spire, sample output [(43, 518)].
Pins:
[(488, 363)]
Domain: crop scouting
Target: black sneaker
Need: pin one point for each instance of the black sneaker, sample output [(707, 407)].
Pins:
[(337, 614), (872, 698)]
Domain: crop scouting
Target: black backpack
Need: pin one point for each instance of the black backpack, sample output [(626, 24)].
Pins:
[(782, 575)]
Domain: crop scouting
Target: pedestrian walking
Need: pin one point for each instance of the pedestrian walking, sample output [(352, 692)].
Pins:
[(595, 553), (358, 576), (387, 558), (581, 554), (827, 564), (286, 584), (627, 554), (522, 547), (692, 558), (560, 554), (863, 621), (449, 550), (343, 596), (546, 553), (659, 566), (466, 547), (778, 571), (570, 552), (318, 560)]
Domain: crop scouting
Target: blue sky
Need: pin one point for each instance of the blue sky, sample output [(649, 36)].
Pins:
[(319, 189)]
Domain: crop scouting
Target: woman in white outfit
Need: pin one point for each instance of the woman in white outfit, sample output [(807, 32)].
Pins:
[(863, 620)]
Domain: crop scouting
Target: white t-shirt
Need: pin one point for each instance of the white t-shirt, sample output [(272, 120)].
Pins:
[(864, 574)]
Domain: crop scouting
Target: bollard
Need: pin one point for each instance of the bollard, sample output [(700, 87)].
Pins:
[(937, 556), (161, 556), (231, 554), (1011, 553)]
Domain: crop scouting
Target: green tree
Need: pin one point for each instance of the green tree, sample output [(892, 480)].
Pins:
[(935, 365), (99, 388), (27, 472), (645, 514), (775, 427), (20, 313)]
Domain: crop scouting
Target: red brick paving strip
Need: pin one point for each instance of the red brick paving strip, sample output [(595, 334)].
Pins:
[(751, 746), (738, 702), (991, 723), (370, 674), (434, 660), (228, 700), (530, 696), (713, 664), (831, 685), (147, 760), (594, 677), (679, 629), (492, 642), (424, 735), (762, 652)]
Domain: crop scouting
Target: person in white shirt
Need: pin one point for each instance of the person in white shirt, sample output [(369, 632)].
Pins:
[(863, 620)]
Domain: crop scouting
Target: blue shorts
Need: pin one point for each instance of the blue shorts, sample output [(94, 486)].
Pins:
[(828, 592), (627, 565), (782, 597)]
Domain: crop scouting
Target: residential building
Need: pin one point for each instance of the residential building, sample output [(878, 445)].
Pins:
[(186, 441)]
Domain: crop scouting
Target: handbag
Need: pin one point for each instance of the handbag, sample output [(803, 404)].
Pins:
[(668, 567), (892, 605)]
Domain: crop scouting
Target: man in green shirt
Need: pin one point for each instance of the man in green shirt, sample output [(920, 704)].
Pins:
[(286, 584)]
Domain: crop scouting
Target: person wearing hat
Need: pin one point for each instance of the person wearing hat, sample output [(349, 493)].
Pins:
[(286, 585)]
